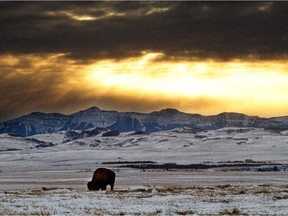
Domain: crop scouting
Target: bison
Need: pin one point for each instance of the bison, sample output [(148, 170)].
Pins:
[(101, 178)]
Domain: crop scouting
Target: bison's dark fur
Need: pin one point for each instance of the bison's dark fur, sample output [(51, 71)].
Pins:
[(101, 178)]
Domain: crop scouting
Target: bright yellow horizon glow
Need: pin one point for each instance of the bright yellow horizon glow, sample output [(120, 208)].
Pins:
[(249, 87), (144, 84)]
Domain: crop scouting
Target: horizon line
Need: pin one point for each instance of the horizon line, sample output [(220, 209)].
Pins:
[(139, 112)]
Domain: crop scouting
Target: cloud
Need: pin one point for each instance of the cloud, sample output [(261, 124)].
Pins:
[(30, 82), (57, 83), (54, 83), (46, 48), (99, 30)]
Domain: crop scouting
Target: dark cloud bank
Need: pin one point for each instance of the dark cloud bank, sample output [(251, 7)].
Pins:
[(90, 31), (219, 30)]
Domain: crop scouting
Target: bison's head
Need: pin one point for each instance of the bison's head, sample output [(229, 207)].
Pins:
[(91, 186)]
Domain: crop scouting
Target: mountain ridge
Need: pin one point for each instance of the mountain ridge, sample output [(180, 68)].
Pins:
[(165, 119)]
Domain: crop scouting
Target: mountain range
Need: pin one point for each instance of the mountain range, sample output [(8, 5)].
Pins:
[(166, 119)]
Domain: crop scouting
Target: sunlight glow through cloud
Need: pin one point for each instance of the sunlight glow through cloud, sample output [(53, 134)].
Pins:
[(206, 87), (226, 81)]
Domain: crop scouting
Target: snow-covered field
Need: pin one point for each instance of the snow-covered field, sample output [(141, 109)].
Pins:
[(213, 200), (47, 174)]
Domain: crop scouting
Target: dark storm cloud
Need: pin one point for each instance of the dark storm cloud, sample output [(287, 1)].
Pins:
[(220, 30)]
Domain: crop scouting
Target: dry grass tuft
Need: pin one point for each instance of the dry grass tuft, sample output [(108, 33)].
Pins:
[(48, 189), (36, 192), (12, 192), (280, 197), (224, 186), (234, 211), (187, 212), (172, 190)]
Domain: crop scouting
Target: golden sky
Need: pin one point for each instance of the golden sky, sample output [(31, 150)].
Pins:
[(207, 86), (147, 83), (144, 57)]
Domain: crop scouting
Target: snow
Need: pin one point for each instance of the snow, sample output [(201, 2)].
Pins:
[(167, 201), (65, 168)]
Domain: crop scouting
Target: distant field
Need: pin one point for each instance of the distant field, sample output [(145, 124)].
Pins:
[(127, 177)]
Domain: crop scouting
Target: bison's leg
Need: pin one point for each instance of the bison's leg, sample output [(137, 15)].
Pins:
[(112, 181), (112, 185), (103, 187)]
